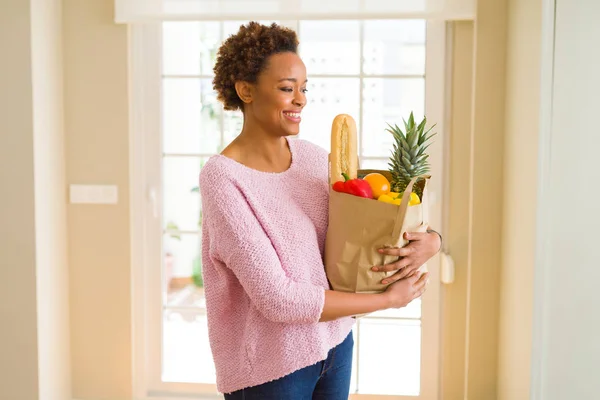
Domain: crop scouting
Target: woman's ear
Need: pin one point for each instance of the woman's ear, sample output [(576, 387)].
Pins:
[(245, 91)]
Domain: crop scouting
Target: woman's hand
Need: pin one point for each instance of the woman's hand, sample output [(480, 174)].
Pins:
[(421, 247), (405, 290)]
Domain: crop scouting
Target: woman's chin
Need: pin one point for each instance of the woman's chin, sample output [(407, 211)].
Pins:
[(290, 128)]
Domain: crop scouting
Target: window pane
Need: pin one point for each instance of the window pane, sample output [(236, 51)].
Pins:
[(210, 40), (328, 97), (394, 47), (413, 310), (330, 47), (190, 116), (181, 207), (190, 48), (191, 295), (388, 101), (181, 48), (182, 259), (186, 351), (231, 28), (233, 122), (381, 164), (390, 357)]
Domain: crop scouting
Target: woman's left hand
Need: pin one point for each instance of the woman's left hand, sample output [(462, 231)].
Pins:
[(421, 247)]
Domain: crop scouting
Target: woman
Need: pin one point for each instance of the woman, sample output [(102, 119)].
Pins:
[(276, 329)]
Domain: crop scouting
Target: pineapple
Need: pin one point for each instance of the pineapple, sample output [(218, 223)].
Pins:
[(408, 157)]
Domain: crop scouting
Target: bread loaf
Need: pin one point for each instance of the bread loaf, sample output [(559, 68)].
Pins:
[(343, 157)]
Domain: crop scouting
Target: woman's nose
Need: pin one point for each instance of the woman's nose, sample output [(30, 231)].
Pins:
[(300, 99)]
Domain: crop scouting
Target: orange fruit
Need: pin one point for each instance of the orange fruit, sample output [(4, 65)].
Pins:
[(379, 184)]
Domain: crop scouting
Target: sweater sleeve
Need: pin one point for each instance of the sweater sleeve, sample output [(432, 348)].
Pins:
[(238, 241)]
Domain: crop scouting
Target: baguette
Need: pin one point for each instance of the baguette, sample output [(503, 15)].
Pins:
[(343, 157)]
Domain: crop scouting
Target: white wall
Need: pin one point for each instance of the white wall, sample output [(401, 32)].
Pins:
[(567, 325), (50, 201)]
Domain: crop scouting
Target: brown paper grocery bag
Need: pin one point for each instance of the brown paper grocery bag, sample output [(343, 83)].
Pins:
[(358, 227)]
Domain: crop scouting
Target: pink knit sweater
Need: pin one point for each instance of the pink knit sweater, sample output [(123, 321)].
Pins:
[(262, 259)]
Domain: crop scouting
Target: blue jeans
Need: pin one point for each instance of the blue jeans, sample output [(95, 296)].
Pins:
[(326, 380)]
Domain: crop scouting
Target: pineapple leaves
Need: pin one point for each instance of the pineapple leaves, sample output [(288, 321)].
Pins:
[(411, 120), (422, 149), (422, 125), (412, 139), (409, 158), (407, 164), (425, 137)]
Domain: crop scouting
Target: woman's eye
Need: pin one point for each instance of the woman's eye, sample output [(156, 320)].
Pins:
[(290, 90)]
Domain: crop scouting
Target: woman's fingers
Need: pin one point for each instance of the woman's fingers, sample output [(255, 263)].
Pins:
[(415, 236), (422, 281), (411, 256), (401, 263), (403, 273), (420, 243), (397, 251), (420, 286), (420, 293)]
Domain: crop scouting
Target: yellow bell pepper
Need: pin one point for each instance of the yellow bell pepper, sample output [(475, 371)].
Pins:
[(386, 199), (414, 199), (396, 198)]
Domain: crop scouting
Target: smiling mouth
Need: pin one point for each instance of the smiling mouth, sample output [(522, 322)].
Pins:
[(292, 116)]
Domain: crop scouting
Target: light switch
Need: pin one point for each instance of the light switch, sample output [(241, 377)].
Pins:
[(93, 194)]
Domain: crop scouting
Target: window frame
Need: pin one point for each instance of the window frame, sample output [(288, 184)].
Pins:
[(145, 204)]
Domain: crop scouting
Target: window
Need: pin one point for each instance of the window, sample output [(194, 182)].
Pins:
[(376, 71)]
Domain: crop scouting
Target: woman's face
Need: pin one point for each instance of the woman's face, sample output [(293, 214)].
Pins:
[(279, 95)]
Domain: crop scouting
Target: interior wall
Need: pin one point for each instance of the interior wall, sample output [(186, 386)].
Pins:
[(520, 171), (18, 305), (97, 143), (487, 139), (454, 297), (470, 305)]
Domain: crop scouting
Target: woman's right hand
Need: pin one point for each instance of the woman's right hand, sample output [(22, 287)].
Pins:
[(405, 290), (397, 295)]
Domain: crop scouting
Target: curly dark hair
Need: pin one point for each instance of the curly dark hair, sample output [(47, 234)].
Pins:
[(243, 56)]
